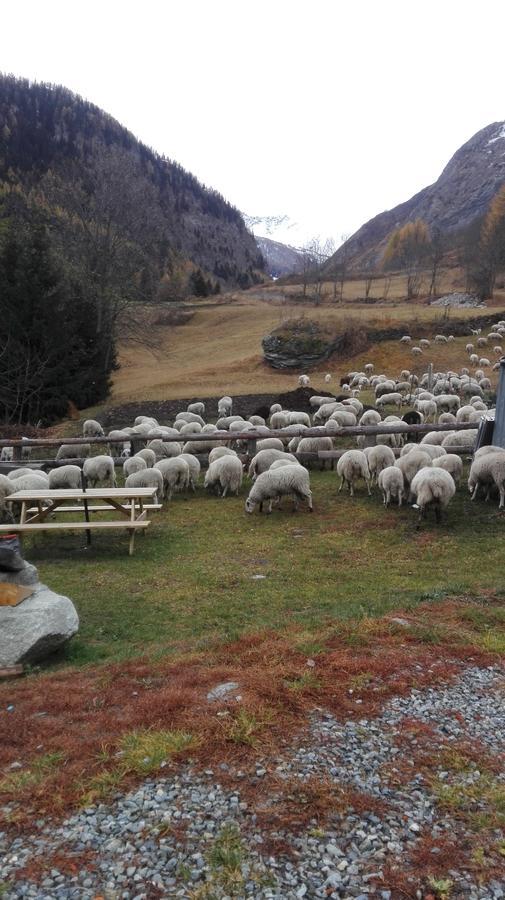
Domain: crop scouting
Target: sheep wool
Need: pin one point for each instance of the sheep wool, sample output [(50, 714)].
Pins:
[(351, 466), (225, 474), (278, 483)]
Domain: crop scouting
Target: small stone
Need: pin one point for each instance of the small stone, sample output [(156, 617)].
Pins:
[(222, 690)]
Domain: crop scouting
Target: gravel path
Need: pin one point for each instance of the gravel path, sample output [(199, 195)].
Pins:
[(182, 835)]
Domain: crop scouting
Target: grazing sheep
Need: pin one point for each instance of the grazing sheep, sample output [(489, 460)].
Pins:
[(191, 428), (73, 451), (488, 470), (484, 363), (133, 464), (428, 408), (7, 454), (224, 406), (453, 464), (343, 417), (17, 473), (303, 380), (489, 448), (481, 341), (175, 474), (5, 489), (198, 408), (485, 384), (435, 451), (424, 343), (164, 449), (447, 402), (390, 482), (324, 412), (278, 420), (224, 473), (148, 455), (264, 459), (147, 478), (65, 477), (498, 350), (368, 367), (99, 469), (299, 418), (379, 457), (435, 487), (446, 419), (370, 417), (195, 448), (464, 438), (351, 466), (189, 417), (278, 483), (92, 429), (34, 482), (269, 444), (469, 348), (406, 339), (224, 423), (314, 444), (354, 403), (217, 452), (435, 437), (384, 387), (327, 378), (257, 420), (410, 464), (194, 468), (317, 401), (440, 339)]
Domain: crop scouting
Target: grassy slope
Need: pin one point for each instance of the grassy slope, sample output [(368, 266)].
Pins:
[(191, 578), (219, 350)]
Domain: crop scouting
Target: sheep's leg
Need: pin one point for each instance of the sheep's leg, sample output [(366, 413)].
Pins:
[(501, 488), (368, 486), (341, 484), (351, 488), (269, 508), (309, 501), (225, 490), (474, 495), (400, 498), (438, 513)]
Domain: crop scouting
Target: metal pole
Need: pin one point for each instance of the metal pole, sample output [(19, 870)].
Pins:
[(499, 420)]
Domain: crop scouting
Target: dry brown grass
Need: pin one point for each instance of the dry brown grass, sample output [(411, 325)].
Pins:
[(219, 350)]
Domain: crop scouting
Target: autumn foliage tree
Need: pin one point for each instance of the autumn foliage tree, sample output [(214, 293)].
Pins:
[(486, 257), (407, 249)]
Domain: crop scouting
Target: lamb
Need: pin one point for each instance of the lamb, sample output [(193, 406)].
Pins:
[(73, 451), (5, 489), (435, 487), (274, 484), (99, 469), (453, 464), (198, 408), (264, 459), (65, 477), (175, 474), (410, 464), (225, 473), (224, 406), (133, 464), (390, 482), (351, 466), (275, 407), (148, 455), (164, 449), (92, 429), (369, 367), (194, 468), (147, 478), (379, 457), (469, 348)]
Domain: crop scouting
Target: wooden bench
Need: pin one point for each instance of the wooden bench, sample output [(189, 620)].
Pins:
[(129, 502)]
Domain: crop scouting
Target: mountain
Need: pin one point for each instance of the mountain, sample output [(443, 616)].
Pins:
[(460, 195), (45, 130), (280, 259)]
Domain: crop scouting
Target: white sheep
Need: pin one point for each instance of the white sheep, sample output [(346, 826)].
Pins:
[(165, 449), (434, 437), (303, 380), (410, 464), (194, 468), (278, 420), (424, 343), (446, 419), (343, 417), (198, 408), (148, 455), (498, 350), (469, 348), (481, 341), (175, 474), (379, 457), (257, 420), (146, 420), (269, 444), (434, 451), (488, 470), (99, 469), (36, 481), (92, 429), (133, 464), (484, 363), (453, 464), (327, 378), (390, 482), (224, 423), (17, 473), (65, 477), (217, 452), (370, 417), (405, 339), (7, 454), (434, 487), (191, 428), (351, 466), (428, 408), (448, 402), (264, 459), (224, 474), (275, 407), (145, 479), (299, 418), (464, 438), (189, 417), (224, 406), (277, 483), (440, 339), (73, 451)]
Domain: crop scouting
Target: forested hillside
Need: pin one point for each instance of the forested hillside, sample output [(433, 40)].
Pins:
[(111, 225)]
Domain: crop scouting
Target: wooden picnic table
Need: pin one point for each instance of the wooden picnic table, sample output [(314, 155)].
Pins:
[(37, 506)]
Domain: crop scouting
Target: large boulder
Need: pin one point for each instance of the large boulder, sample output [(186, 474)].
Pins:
[(36, 627), (26, 575), (303, 343)]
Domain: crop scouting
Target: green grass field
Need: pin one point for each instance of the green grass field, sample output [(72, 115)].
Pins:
[(192, 581)]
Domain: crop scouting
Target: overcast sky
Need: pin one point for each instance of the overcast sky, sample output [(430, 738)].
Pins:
[(327, 111)]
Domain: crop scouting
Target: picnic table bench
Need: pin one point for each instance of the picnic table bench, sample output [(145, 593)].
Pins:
[(36, 506)]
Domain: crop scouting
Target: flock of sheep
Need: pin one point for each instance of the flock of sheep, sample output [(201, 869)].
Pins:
[(426, 473)]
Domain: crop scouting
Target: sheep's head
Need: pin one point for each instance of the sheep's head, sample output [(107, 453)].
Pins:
[(249, 505)]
